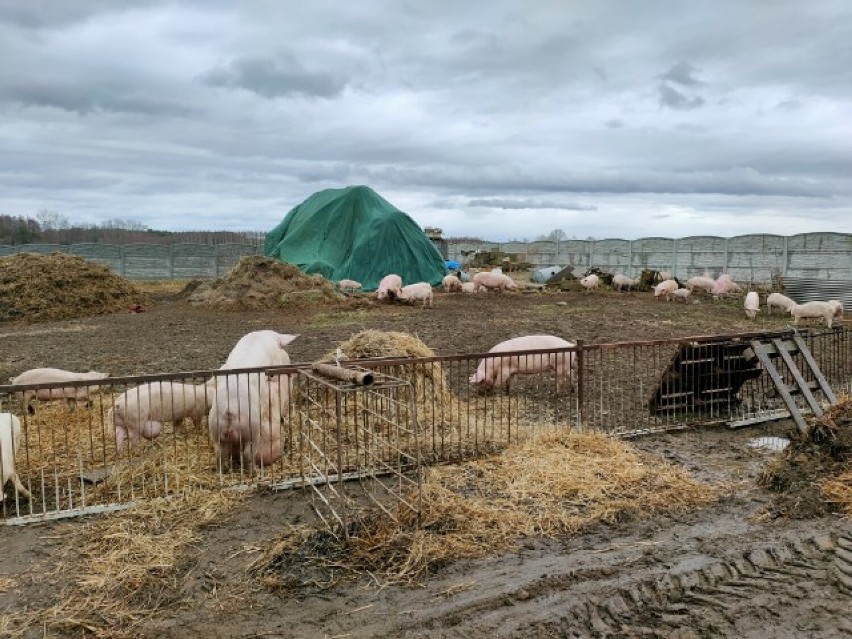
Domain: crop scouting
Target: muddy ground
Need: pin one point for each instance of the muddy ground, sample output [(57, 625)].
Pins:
[(728, 570), (173, 337)]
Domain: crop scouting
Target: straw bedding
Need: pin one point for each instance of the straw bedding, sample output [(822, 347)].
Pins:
[(551, 486), (117, 571)]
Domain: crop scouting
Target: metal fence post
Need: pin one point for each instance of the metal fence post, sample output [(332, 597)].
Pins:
[(580, 412)]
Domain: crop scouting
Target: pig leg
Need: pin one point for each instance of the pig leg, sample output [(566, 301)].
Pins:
[(21, 489)]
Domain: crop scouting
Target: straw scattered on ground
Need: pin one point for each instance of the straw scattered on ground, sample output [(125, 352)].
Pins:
[(553, 485), (813, 476), (39, 288), (262, 283), (117, 571)]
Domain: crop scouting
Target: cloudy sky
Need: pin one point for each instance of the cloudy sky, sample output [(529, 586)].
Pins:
[(503, 119)]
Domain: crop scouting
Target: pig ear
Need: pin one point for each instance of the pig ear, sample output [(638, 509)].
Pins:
[(283, 340)]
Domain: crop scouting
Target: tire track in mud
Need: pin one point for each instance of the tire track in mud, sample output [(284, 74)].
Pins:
[(805, 582)]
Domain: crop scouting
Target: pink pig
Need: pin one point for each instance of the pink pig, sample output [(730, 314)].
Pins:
[(389, 287), (494, 281), (497, 371)]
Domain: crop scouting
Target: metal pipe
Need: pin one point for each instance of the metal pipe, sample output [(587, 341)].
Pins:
[(361, 378)]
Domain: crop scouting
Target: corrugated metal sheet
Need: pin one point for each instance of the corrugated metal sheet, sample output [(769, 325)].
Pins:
[(803, 289)]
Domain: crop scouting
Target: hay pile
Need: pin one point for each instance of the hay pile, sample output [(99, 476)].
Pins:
[(814, 474), (39, 288), (439, 411), (117, 571), (549, 486), (261, 282)]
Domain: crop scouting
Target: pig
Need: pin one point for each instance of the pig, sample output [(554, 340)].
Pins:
[(590, 282), (838, 309), (726, 286), (619, 282), (666, 289), (141, 411), (245, 417), (10, 440), (493, 281), (665, 275), (682, 295), (348, 286), (776, 300), (390, 287), (701, 283), (422, 291), (468, 287), (824, 310), (497, 371), (53, 375), (452, 284), (751, 304)]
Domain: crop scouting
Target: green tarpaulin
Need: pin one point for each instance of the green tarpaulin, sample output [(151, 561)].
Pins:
[(355, 234)]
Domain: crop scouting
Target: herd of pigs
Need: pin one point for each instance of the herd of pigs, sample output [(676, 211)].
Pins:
[(244, 411)]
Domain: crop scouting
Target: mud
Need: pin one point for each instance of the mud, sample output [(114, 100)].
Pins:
[(173, 336), (730, 570)]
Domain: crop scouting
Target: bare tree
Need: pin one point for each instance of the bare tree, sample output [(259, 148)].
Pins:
[(557, 235), (49, 220)]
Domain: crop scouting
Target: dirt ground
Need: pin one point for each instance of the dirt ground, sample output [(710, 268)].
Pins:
[(174, 337), (727, 570)]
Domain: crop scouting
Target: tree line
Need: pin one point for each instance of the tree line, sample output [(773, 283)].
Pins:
[(50, 227)]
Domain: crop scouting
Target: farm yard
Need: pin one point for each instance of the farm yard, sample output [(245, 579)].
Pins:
[(674, 534)]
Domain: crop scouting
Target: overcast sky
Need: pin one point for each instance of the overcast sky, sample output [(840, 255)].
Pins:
[(502, 118)]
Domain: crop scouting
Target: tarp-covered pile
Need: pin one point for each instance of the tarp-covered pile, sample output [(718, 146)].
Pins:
[(354, 233)]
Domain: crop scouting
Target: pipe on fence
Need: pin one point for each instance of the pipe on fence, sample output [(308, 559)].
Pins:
[(361, 378)]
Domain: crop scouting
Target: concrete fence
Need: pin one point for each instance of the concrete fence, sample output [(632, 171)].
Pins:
[(152, 261), (748, 258)]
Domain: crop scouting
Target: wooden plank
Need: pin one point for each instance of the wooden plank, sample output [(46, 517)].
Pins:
[(809, 358), (797, 375), (779, 384)]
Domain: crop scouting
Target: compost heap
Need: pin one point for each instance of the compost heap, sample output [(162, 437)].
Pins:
[(261, 282), (38, 288), (814, 474)]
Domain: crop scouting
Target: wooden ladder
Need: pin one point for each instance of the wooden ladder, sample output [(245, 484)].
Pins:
[(768, 350)]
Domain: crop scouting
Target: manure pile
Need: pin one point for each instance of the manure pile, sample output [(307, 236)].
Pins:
[(814, 474), (261, 282), (39, 288)]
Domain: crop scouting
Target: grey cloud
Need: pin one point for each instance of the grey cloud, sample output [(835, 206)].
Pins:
[(271, 78), (497, 203), (789, 105), (40, 14), (112, 99), (741, 182), (614, 124), (674, 99), (682, 73)]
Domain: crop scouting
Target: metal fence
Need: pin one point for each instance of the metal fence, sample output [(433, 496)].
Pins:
[(136, 437), (152, 261), (747, 258)]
